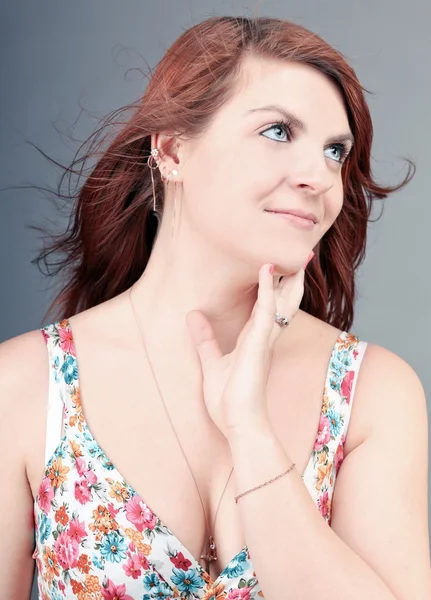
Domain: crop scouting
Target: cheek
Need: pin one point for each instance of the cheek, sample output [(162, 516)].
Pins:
[(333, 204), (216, 184), (209, 198)]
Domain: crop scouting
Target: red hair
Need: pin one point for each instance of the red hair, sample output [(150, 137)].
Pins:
[(111, 229)]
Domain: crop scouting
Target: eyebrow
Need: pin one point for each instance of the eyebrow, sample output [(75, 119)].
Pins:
[(348, 137)]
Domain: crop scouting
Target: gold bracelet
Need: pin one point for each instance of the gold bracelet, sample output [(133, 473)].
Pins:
[(266, 483)]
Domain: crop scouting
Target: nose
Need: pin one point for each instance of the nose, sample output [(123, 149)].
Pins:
[(311, 175)]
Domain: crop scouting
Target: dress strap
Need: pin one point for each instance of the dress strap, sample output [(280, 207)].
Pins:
[(59, 348), (355, 350), (341, 384)]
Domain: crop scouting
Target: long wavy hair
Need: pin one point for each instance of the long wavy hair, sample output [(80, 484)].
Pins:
[(111, 228)]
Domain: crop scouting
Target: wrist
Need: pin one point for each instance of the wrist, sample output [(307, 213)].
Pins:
[(250, 429)]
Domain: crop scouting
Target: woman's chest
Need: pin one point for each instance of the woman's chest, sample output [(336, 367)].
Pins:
[(163, 444)]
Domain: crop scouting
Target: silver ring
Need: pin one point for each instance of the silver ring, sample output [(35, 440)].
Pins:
[(282, 321)]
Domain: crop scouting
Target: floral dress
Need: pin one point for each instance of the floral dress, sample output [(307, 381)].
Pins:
[(96, 538)]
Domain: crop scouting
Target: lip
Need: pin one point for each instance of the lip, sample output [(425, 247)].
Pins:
[(296, 213)]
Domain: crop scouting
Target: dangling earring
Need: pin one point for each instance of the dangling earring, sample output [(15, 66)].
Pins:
[(173, 172), (153, 165)]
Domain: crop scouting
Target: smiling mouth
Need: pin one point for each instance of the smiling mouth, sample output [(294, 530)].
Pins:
[(293, 219)]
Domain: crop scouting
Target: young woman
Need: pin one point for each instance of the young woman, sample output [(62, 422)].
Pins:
[(191, 423)]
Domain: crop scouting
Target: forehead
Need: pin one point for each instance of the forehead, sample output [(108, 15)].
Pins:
[(298, 87)]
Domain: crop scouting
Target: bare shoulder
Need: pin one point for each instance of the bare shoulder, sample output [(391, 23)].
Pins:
[(24, 381), (387, 386), (380, 361), (23, 359)]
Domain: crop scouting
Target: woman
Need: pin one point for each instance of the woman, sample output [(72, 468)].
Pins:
[(186, 380)]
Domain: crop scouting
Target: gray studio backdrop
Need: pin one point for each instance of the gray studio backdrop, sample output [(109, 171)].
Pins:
[(57, 56)]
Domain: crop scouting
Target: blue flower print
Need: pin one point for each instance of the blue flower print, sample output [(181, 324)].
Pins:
[(187, 581), (94, 449), (337, 366), (45, 528), (69, 369), (60, 452), (107, 463), (114, 547), (346, 359), (159, 590), (237, 565), (151, 581), (334, 422), (95, 559)]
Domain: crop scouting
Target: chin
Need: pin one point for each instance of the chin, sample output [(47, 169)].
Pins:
[(294, 264)]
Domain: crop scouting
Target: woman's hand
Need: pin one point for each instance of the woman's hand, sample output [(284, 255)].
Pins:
[(234, 385)]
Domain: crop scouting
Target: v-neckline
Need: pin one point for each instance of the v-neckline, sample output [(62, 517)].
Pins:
[(195, 564)]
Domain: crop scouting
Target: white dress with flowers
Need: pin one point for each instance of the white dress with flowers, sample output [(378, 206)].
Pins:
[(96, 538)]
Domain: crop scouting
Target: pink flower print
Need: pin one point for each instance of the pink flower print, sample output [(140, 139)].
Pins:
[(82, 491), (133, 567), (180, 561), (143, 561), (66, 341), (323, 502), (138, 513), (113, 511), (90, 476), (323, 433), (80, 466), (77, 530), (45, 336), (339, 455), (347, 384), (239, 594), (115, 592), (62, 587), (67, 550), (45, 495)]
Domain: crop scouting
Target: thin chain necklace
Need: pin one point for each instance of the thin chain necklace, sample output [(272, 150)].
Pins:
[(211, 555)]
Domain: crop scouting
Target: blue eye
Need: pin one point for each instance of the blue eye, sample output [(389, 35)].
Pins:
[(342, 148), (343, 152), (279, 125)]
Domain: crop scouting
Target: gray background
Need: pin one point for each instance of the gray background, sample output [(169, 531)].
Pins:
[(58, 56)]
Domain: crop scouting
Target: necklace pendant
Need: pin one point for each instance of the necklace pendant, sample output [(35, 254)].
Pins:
[(213, 548), (212, 554)]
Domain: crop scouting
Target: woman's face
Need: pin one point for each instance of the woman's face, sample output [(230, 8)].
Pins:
[(246, 165)]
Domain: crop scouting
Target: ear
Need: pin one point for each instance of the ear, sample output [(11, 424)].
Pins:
[(169, 153)]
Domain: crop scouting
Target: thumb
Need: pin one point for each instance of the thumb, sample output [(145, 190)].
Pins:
[(203, 338)]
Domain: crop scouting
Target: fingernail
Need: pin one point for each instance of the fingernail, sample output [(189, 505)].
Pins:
[(271, 269)]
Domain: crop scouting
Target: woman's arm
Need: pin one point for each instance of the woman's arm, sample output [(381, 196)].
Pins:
[(378, 546), (21, 373)]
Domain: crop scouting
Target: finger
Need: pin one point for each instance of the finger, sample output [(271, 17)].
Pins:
[(289, 295), (203, 338), (265, 303)]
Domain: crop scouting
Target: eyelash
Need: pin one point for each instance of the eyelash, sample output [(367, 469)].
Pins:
[(345, 150)]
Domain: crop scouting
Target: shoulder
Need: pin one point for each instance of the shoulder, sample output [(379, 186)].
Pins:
[(390, 398), (24, 381), (22, 358), (388, 381)]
